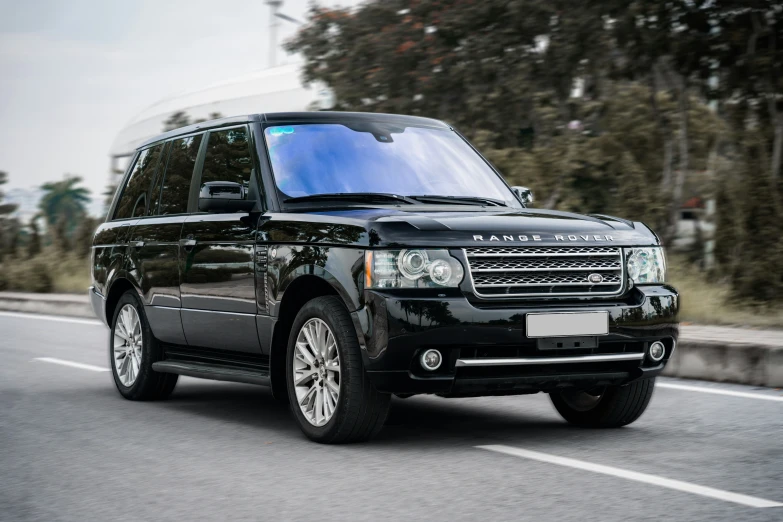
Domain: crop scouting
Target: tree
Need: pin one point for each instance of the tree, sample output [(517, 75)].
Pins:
[(63, 206), (176, 120), (5, 208), (619, 106), (180, 119), (7, 235), (34, 243), (529, 74), (748, 45)]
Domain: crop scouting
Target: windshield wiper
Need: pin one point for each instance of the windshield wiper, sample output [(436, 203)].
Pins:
[(352, 196), (470, 200)]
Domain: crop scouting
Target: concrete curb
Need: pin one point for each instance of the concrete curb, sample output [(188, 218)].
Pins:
[(742, 356), (711, 360), (73, 305)]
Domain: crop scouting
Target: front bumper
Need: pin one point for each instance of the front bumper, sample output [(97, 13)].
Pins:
[(486, 351)]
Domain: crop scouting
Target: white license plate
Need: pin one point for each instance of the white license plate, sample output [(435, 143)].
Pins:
[(567, 324)]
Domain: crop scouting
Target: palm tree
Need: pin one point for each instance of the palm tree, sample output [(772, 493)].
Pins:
[(63, 204)]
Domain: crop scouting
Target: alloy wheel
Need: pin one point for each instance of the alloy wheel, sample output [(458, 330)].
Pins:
[(127, 346), (316, 372)]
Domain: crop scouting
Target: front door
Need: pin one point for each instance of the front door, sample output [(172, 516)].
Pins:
[(217, 252)]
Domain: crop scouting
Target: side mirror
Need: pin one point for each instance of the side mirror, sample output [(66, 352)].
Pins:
[(224, 196), (524, 195)]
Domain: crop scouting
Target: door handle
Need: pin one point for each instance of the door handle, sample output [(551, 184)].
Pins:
[(188, 244), (137, 244)]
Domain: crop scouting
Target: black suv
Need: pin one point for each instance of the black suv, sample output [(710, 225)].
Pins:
[(343, 257)]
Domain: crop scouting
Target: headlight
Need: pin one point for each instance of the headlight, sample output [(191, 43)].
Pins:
[(411, 268), (646, 265)]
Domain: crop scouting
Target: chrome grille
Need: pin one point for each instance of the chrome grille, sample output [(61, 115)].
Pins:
[(545, 271)]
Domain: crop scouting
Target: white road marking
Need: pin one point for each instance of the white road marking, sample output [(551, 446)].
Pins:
[(678, 485), (72, 364), (718, 391), (60, 318)]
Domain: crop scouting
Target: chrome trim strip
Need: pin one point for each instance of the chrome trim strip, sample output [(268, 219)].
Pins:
[(525, 361), (202, 310), (574, 269), (245, 314), (491, 285)]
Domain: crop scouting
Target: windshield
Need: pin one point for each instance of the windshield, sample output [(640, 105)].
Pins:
[(332, 158)]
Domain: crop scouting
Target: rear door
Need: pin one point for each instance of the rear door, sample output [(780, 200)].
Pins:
[(154, 243), (217, 252), (110, 244)]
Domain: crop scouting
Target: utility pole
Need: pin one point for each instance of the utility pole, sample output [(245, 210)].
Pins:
[(274, 6)]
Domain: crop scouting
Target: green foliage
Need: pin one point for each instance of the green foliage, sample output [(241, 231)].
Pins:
[(180, 119), (758, 276), (63, 207), (34, 241), (597, 106)]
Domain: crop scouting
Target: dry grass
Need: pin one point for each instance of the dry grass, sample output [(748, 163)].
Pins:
[(49, 271), (706, 302)]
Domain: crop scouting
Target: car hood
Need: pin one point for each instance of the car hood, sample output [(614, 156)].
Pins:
[(435, 226)]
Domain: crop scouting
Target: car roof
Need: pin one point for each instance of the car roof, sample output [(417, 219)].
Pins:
[(296, 117)]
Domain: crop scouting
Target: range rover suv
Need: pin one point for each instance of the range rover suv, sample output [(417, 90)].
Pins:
[(342, 258)]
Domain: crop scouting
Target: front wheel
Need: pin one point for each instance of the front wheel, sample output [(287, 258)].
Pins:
[(329, 392), (604, 407)]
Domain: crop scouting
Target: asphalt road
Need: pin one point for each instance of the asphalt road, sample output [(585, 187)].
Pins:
[(72, 449)]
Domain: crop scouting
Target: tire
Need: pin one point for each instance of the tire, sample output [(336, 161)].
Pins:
[(147, 384), (615, 407), (360, 409)]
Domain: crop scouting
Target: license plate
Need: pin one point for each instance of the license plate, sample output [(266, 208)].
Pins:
[(567, 324)]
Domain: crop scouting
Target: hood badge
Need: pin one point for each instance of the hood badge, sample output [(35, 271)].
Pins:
[(572, 237), (595, 278)]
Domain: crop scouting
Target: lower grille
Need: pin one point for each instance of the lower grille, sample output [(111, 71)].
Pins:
[(546, 271)]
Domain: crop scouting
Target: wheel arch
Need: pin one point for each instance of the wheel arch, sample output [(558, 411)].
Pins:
[(298, 292), (119, 286)]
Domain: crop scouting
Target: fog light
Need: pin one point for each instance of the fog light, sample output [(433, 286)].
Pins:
[(431, 359), (657, 351)]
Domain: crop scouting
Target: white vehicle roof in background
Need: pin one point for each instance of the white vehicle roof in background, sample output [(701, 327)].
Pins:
[(278, 89)]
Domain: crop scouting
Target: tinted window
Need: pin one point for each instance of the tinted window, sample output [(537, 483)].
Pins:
[(378, 157), (179, 170), (133, 202), (155, 193), (228, 157)]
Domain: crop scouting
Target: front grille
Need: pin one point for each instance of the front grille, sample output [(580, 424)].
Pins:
[(545, 271)]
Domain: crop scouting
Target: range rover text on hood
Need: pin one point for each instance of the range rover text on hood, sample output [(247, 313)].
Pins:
[(538, 237)]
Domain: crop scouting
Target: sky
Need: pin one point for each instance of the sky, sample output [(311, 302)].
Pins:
[(72, 74)]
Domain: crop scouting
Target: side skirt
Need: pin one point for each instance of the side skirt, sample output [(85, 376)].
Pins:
[(218, 365), (216, 373)]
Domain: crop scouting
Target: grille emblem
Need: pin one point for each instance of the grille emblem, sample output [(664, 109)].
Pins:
[(595, 278)]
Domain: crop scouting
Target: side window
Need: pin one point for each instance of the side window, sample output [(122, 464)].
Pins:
[(155, 194), (228, 158), (175, 186), (133, 202)]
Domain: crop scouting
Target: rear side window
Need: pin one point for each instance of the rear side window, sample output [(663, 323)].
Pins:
[(155, 194), (228, 157), (133, 202), (175, 186)]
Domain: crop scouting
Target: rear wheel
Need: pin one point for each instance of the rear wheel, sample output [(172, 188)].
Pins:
[(132, 350), (604, 407), (329, 392)]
